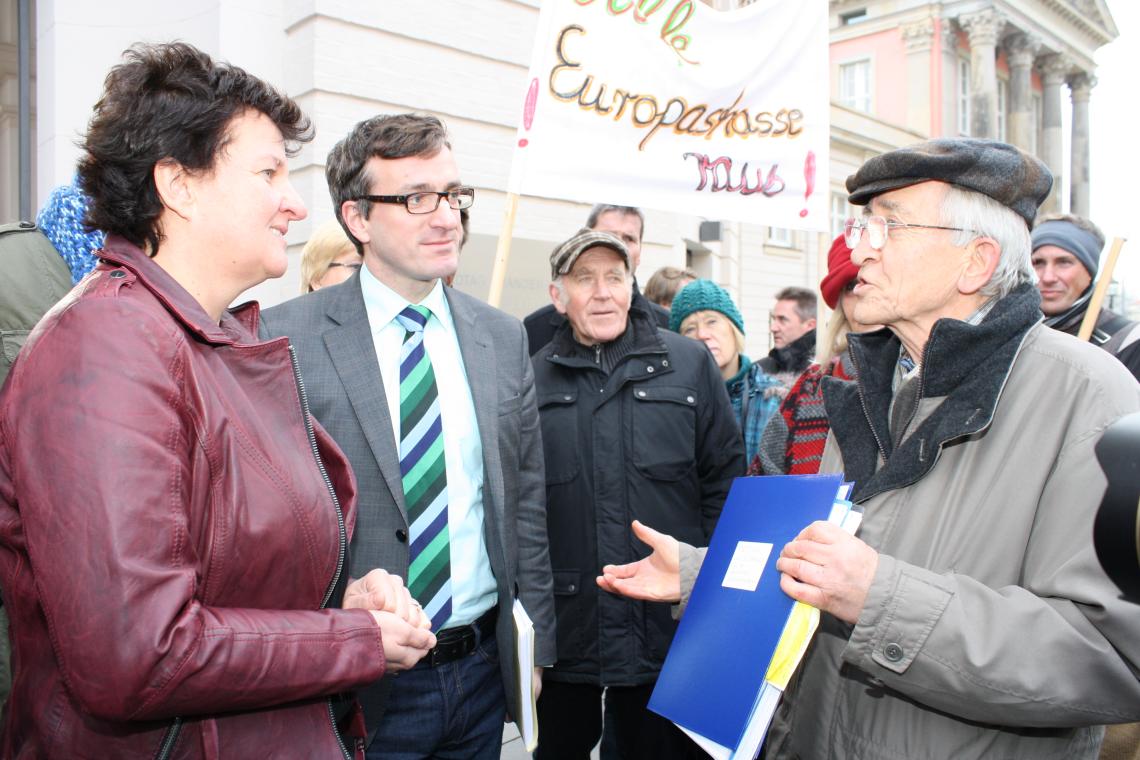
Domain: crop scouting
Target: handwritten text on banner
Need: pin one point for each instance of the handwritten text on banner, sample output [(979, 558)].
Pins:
[(669, 104)]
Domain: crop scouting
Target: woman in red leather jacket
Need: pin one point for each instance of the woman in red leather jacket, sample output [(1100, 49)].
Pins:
[(173, 523)]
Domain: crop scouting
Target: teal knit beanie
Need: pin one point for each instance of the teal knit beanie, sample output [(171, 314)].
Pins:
[(702, 295)]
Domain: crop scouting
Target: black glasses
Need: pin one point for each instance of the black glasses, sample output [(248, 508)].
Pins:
[(428, 201), (878, 228), (338, 264)]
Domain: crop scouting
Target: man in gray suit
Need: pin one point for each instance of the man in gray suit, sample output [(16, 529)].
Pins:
[(430, 393)]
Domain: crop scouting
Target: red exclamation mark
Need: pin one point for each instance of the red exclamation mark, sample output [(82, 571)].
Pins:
[(528, 109), (809, 178)]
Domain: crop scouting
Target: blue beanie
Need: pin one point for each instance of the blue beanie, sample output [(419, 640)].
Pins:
[(1068, 236), (61, 221), (703, 295)]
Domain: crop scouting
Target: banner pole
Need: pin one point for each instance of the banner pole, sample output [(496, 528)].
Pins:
[(1093, 311), (503, 251)]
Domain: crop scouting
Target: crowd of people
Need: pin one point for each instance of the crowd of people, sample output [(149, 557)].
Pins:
[(301, 532)]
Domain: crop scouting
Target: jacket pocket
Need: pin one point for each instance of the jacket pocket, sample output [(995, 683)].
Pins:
[(559, 419), (569, 610), (659, 629), (510, 405), (11, 341), (663, 445)]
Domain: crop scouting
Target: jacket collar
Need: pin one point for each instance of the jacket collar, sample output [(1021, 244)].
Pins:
[(965, 365), (563, 349), (237, 324), (796, 356)]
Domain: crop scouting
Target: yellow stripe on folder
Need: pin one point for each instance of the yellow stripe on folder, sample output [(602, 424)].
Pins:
[(802, 622)]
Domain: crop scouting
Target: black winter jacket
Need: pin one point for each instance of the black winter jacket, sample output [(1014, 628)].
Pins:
[(654, 440)]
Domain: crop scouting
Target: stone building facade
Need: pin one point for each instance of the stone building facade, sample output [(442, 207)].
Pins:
[(902, 71)]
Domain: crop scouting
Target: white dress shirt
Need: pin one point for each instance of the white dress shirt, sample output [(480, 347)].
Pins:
[(473, 587)]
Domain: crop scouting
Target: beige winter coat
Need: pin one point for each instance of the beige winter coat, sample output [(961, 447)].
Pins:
[(990, 630)]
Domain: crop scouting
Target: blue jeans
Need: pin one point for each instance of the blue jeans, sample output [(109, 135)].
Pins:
[(455, 710)]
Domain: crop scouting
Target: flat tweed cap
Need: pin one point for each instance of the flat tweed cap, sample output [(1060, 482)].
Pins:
[(566, 254), (1009, 176)]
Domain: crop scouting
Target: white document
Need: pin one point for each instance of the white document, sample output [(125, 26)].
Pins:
[(527, 719), (754, 733), (747, 565)]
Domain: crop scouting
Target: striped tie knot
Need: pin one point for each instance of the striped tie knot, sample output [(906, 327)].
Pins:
[(413, 318)]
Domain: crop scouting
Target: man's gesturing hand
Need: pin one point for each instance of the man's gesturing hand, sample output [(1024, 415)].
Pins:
[(656, 578)]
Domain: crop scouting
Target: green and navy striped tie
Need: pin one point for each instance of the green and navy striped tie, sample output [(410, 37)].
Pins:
[(424, 472)]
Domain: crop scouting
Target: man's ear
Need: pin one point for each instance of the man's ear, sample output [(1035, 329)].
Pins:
[(810, 324), (175, 187), (355, 221), (982, 258), (556, 298)]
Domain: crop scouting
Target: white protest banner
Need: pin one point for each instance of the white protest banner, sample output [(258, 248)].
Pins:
[(672, 105)]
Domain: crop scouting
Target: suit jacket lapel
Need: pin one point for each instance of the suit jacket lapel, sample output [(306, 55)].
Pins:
[(353, 354), (480, 364)]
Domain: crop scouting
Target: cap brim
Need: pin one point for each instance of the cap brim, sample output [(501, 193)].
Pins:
[(863, 195)]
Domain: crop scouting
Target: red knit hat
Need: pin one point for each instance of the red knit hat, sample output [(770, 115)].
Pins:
[(840, 271)]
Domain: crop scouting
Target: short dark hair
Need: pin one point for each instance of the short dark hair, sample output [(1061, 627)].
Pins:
[(602, 208), (1077, 221), (804, 298), (167, 101), (386, 136)]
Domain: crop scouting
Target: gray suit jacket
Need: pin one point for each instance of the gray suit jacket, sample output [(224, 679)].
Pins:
[(330, 331)]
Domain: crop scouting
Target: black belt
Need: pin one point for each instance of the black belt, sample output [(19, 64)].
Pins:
[(460, 641)]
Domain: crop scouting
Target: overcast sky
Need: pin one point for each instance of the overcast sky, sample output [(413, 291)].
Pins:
[(1114, 113)]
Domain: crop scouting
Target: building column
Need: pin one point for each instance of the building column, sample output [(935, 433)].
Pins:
[(1080, 86), (1054, 68), (919, 41), (983, 29), (948, 124), (1022, 49)]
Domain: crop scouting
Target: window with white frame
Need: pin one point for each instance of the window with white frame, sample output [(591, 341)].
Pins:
[(855, 85), (780, 236), (964, 97), (1002, 110), (839, 213)]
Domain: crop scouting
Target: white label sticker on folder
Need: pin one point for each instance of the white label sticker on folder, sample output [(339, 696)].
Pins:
[(747, 565)]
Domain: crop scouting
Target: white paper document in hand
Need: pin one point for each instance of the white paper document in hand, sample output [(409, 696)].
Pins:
[(527, 719)]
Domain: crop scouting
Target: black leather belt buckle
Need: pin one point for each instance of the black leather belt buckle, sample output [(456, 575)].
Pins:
[(452, 649), (454, 643)]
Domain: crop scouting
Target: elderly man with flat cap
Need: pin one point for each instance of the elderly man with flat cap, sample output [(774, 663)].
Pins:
[(969, 618), (636, 424), (1066, 253)]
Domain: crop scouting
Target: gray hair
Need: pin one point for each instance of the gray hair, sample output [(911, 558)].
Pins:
[(806, 306), (982, 216)]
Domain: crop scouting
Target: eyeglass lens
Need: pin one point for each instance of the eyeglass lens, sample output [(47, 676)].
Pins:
[(876, 228), (427, 202)]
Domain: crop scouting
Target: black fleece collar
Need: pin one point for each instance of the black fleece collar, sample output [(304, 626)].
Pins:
[(966, 364), (794, 357)]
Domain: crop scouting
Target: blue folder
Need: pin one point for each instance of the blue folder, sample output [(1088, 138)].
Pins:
[(716, 665)]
